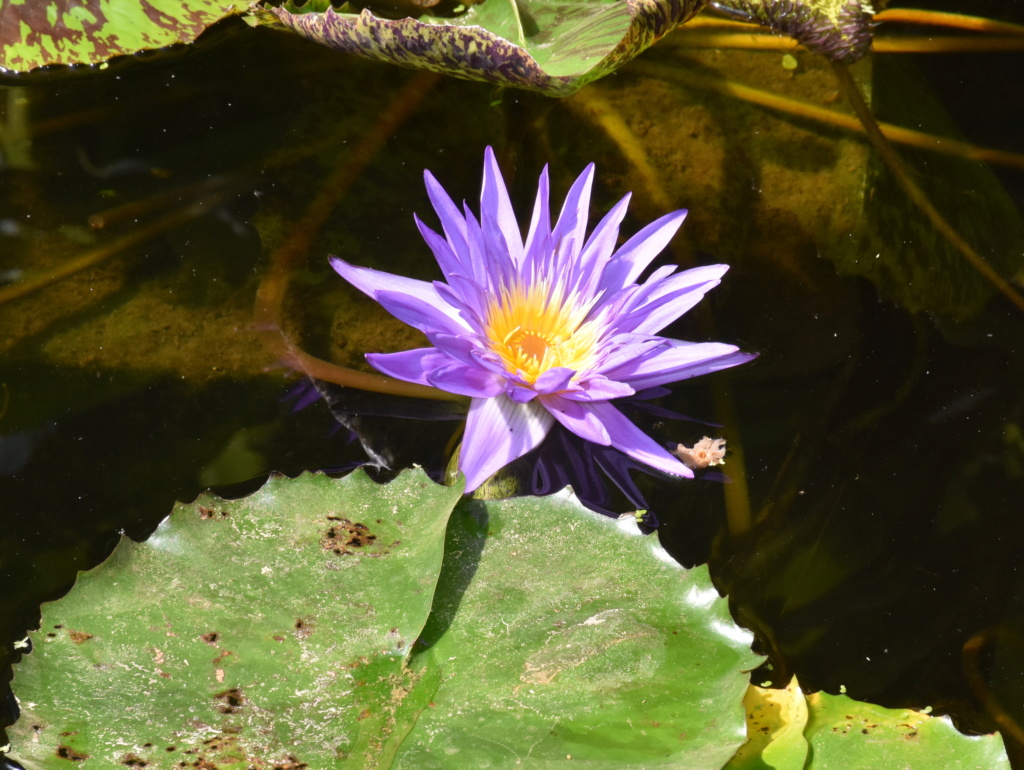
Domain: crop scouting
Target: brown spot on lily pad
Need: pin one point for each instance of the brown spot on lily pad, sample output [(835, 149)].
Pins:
[(231, 701), (211, 513), (66, 752), (78, 637), (133, 760), (290, 763), (344, 537)]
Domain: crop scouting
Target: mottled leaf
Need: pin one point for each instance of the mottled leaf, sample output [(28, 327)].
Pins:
[(541, 45), (838, 29), (35, 33)]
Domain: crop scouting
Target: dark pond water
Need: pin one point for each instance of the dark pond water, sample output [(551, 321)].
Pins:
[(872, 531)]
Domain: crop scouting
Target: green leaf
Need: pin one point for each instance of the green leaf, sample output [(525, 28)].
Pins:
[(542, 45), (36, 33), (844, 734), (280, 628), (775, 730), (851, 735), (558, 632), (256, 629)]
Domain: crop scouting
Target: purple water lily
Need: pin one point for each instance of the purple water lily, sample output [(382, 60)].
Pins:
[(555, 328)]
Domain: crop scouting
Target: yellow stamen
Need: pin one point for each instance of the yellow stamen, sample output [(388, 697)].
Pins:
[(534, 328)]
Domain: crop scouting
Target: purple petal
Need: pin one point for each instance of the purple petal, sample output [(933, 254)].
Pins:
[(465, 380), (636, 254), (499, 431), (520, 393), (598, 388), (375, 283), (628, 438), (452, 222), (468, 309), (496, 214), (599, 247), (471, 351), (538, 239), (476, 250), (409, 365), (425, 316), (554, 380), (445, 255), (624, 348), (568, 235), (677, 360), (579, 418), (655, 307)]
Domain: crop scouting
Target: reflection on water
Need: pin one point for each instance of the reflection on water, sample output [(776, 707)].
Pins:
[(882, 450)]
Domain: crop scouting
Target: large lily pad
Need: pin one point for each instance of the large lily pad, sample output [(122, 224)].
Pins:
[(551, 46), (279, 630), (35, 33), (561, 634)]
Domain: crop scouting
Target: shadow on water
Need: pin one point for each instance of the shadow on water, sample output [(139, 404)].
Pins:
[(883, 438)]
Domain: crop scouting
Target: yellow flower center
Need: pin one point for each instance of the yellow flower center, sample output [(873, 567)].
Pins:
[(536, 327)]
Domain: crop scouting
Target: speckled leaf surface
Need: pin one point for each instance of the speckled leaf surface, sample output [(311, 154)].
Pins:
[(35, 33), (546, 46), (560, 633), (845, 734), (791, 731), (250, 633), (278, 630)]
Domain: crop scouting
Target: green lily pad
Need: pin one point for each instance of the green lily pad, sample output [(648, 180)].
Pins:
[(270, 627), (845, 734), (560, 633), (280, 629), (550, 46), (36, 33), (851, 735)]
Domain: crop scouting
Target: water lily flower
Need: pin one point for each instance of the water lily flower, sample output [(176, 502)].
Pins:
[(553, 328)]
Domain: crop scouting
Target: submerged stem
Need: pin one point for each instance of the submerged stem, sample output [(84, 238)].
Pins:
[(110, 250), (914, 191), (803, 109), (955, 20), (274, 286)]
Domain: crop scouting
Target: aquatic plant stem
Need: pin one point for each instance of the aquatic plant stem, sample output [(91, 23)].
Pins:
[(941, 19), (914, 191), (294, 251), (810, 111), (972, 650), (765, 41), (109, 250), (133, 210), (737, 492)]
